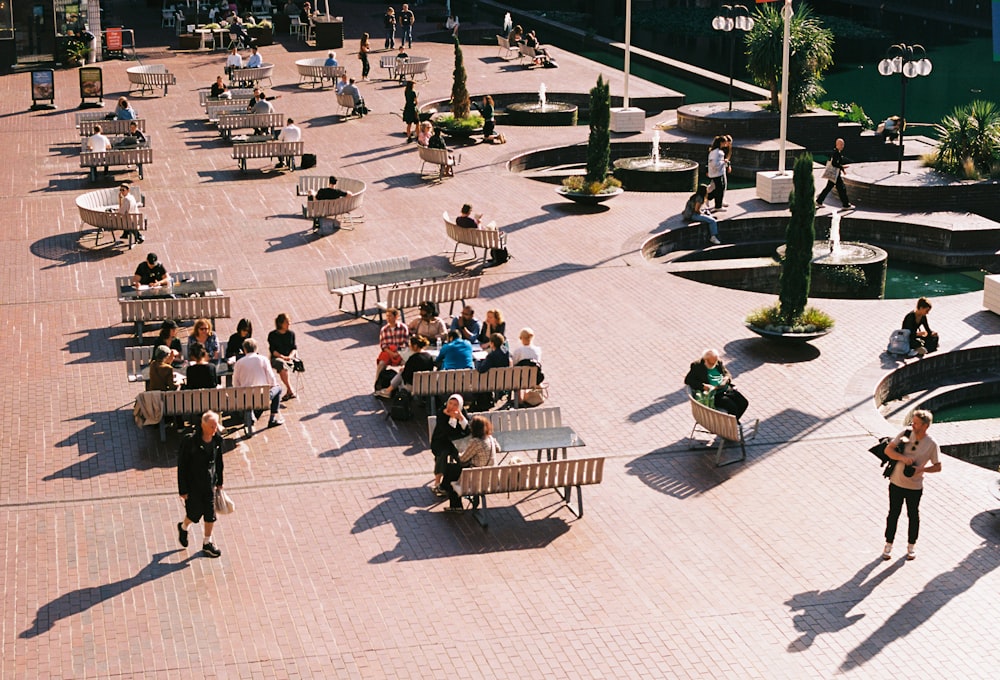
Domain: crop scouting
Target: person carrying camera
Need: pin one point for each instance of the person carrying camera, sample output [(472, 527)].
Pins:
[(915, 449)]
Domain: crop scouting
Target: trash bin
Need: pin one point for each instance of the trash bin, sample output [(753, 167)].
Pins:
[(90, 40)]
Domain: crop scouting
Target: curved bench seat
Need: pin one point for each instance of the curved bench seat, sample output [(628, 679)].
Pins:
[(315, 72), (335, 208), (252, 76), (149, 76), (94, 207)]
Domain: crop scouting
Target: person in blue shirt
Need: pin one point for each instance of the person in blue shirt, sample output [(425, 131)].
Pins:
[(456, 353), (331, 59), (467, 324), (255, 59)]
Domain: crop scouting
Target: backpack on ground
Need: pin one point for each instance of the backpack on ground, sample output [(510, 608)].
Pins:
[(499, 255), (899, 342), (308, 161), (401, 405)]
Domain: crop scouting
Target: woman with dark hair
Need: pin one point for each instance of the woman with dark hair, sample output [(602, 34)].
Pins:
[(201, 373), (710, 375), (481, 452), (410, 110), (363, 51), (489, 122), (494, 324), (922, 338), (234, 347), (419, 360), (696, 211), (202, 334), (168, 337), (429, 324), (718, 166), (452, 424)]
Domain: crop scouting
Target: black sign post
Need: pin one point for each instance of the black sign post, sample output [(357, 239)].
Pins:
[(91, 87), (43, 89)]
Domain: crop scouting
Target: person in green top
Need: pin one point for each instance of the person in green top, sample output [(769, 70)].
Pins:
[(710, 375)]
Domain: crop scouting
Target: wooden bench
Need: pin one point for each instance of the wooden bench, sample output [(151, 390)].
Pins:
[(99, 209), (388, 62), (146, 77), (316, 210), (90, 116), (991, 293), (338, 279), (244, 93), (220, 107), (412, 67), (511, 379), (177, 277), (561, 475), (315, 71), (283, 151), (219, 399), (512, 420), (109, 127), (137, 156), (439, 157), (723, 425), (141, 310), (254, 121), (252, 76), (138, 357), (505, 49), (486, 239), (452, 290)]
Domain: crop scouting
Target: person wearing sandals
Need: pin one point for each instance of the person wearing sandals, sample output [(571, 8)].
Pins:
[(281, 345), (481, 452), (452, 424), (906, 483)]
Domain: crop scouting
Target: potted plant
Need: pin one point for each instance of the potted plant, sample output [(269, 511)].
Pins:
[(74, 53), (597, 185), (790, 318), (969, 145), (461, 122), (262, 33)]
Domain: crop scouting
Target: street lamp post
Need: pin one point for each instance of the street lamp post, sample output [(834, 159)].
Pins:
[(909, 61), (732, 18)]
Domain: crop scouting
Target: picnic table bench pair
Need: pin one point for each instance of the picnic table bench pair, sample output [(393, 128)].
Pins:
[(135, 156), (186, 403)]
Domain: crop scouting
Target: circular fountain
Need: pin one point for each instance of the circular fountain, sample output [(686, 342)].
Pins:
[(540, 113), (653, 173)]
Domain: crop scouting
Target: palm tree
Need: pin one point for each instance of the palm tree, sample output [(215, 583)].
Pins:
[(970, 141), (811, 54)]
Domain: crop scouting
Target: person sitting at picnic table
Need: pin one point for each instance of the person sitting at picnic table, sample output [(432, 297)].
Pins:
[(527, 349), (168, 337), (456, 353), (710, 375), (161, 371), (220, 90), (424, 132), (290, 133), (98, 142), (200, 374), (452, 423), (437, 142), (150, 272), (497, 358), (134, 136), (419, 360), (255, 60), (481, 451), (331, 59), (234, 347), (124, 110), (258, 94), (260, 104), (202, 334), (467, 324), (393, 337), (429, 325), (494, 323)]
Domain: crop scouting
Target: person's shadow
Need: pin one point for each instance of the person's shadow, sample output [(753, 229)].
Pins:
[(835, 605), (78, 601)]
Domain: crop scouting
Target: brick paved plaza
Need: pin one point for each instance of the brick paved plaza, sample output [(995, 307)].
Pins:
[(339, 562)]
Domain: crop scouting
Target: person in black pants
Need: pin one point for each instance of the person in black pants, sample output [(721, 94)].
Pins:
[(710, 375), (837, 160)]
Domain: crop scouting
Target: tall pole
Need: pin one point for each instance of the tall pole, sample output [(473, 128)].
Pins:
[(902, 124), (628, 48), (732, 52), (786, 13)]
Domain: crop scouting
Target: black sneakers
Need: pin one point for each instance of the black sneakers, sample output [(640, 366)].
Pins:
[(210, 550), (182, 535)]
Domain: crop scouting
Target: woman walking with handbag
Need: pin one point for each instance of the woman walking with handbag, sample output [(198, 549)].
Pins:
[(834, 176)]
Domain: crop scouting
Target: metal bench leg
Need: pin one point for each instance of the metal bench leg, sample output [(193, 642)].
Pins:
[(480, 514), (139, 165), (163, 428), (579, 500)]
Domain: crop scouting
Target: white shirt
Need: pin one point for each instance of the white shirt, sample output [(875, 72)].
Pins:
[(290, 133), (127, 203), (341, 84), (234, 60), (522, 352), (716, 163), (98, 142), (252, 370)]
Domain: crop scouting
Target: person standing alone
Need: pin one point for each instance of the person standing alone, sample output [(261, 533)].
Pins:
[(837, 162), (199, 474), (914, 449)]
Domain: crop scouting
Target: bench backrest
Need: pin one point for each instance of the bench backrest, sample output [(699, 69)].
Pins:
[(244, 93), (135, 359), (109, 127), (436, 156), (451, 290), (503, 42), (102, 199), (217, 107), (197, 275), (409, 68), (532, 476), (477, 238), (387, 61), (340, 277), (514, 419), (89, 116), (237, 121), (132, 156), (719, 423), (159, 309), (252, 74), (468, 380), (346, 100), (527, 52), (268, 149), (334, 206), (218, 399)]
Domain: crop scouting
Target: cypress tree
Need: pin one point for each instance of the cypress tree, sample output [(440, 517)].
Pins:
[(599, 143), (459, 91), (799, 239)]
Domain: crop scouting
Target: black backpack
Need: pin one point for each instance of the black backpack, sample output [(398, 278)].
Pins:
[(532, 362), (401, 405), (308, 161), (499, 255)]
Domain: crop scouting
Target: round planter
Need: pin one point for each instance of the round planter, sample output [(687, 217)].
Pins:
[(788, 337), (589, 199)]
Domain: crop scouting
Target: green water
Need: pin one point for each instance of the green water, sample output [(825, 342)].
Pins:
[(905, 280), (694, 93), (978, 410)]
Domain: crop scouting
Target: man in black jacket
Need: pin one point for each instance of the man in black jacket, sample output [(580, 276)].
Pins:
[(837, 161), (199, 473)]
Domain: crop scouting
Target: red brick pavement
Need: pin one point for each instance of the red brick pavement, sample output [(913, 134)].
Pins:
[(338, 562)]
